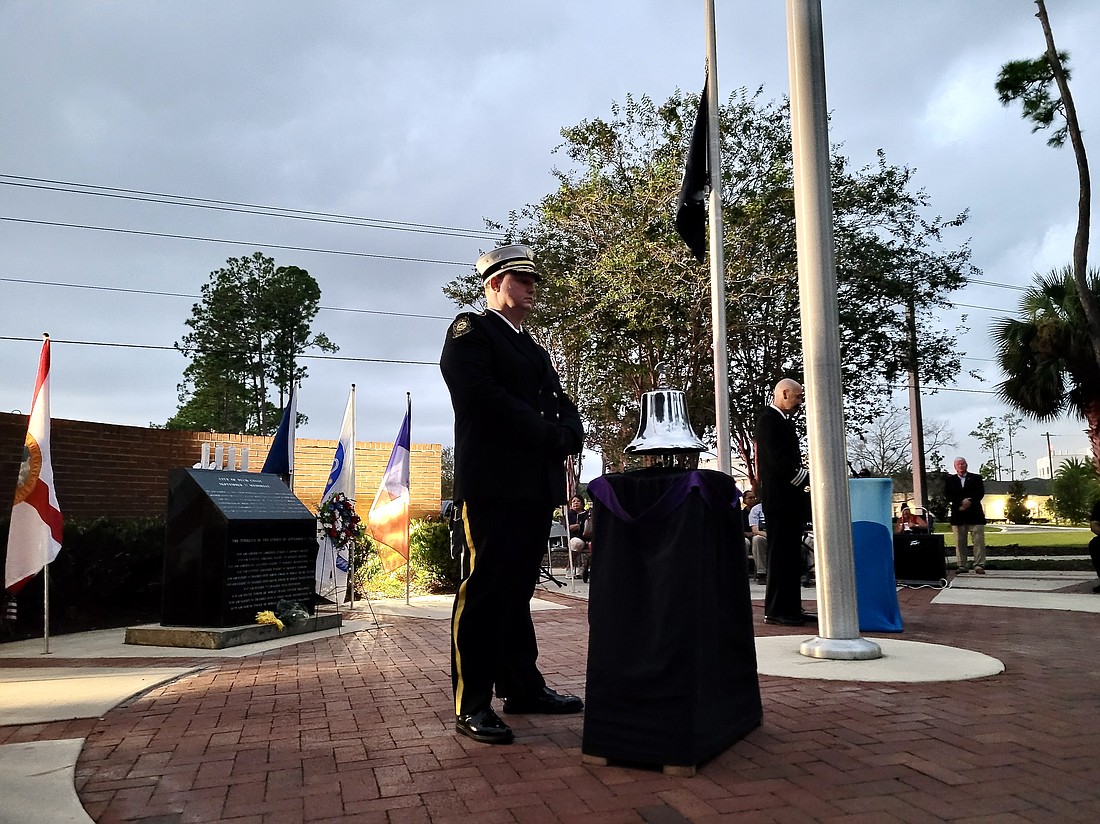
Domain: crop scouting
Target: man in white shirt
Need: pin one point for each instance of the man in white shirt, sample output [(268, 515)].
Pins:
[(759, 541)]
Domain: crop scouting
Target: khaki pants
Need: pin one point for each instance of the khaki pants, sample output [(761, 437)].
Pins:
[(976, 533), (760, 553)]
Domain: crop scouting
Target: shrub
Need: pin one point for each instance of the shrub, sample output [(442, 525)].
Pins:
[(938, 506), (430, 544), (108, 574), (1016, 511), (433, 569), (1074, 490)]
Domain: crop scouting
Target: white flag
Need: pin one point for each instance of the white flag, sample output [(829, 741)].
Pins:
[(331, 573), (341, 478)]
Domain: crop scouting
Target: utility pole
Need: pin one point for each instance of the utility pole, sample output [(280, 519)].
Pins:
[(1050, 457), (1011, 457), (916, 418)]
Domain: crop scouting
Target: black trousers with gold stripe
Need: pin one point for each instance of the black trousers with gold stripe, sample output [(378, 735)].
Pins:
[(492, 637)]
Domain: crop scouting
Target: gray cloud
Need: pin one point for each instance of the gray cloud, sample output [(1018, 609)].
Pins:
[(447, 114)]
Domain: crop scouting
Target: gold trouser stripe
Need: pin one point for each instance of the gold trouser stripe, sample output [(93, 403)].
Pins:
[(461, 605)]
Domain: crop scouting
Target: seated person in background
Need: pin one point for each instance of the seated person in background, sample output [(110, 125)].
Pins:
[(748, 501), (759, 541), (577, 517), (910, 522)]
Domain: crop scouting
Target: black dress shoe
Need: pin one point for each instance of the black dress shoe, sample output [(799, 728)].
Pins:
[(484, 726), (783, 621), (809, 617), (547, 702)]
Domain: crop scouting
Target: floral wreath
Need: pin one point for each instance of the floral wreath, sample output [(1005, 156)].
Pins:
[(338, 522)]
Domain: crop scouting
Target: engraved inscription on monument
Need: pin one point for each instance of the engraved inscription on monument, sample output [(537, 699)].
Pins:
[(261, 569)]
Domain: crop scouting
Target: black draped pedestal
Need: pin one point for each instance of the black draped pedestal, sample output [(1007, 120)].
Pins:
[(672, 675)]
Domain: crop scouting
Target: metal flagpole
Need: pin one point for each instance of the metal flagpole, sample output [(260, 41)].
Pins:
[(717, 256), (836, 574), (45, 605), (351, 544), (408, 549), (291, 433)]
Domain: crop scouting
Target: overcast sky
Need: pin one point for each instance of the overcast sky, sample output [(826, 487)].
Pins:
[(444, 114)]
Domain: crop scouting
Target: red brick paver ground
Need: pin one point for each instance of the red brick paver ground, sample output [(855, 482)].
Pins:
[(358, 728)]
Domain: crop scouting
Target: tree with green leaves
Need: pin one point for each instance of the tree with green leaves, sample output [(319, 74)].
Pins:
[(1075, 488), (1016, 511), (1013, 423), (622, 299), (1047, 356), (447, 473), (247, 335), (990, 436), (1030, 82)]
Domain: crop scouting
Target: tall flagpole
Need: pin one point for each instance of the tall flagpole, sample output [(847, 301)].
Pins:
[(717, 257), (838, 617), (408, 549)]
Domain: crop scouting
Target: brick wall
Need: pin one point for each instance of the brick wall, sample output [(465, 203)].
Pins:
[(103, 469)]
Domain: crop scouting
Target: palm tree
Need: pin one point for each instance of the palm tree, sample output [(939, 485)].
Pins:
[(1047, 354)]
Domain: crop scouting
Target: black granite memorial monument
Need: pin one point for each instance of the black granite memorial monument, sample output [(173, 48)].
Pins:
[(236, 543)]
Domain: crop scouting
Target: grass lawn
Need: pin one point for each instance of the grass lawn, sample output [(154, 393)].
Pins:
[(995, 536)]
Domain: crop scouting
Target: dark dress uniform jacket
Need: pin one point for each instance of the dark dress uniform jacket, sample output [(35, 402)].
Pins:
[(513, 423), (781, 476), (781, 484), (955, 491)]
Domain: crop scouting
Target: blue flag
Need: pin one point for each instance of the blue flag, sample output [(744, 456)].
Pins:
[(280, 458)]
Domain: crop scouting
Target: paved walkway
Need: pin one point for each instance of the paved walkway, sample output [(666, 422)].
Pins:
[(356, 726)]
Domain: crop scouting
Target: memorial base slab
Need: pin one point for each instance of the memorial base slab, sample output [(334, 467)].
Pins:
[(157, 635)]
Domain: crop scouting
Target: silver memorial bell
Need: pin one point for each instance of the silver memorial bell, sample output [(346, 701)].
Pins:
[(664, 428)]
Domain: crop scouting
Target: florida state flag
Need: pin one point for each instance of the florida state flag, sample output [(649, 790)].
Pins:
[(34, 538)]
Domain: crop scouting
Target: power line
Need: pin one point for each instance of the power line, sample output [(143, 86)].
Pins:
[(244, 208), (983, 308), (161, 348), (925, 387), (998, 285), (231, 242), (30, 281), (197, 297)]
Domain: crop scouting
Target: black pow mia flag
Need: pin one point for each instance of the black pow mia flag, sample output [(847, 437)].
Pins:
[(691, 210)]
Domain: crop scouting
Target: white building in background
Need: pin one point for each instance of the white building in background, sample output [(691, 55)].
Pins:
[(1043, 467)]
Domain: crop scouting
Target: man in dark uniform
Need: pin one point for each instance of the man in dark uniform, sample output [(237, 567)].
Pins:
[(781, 482), (514, 426)]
